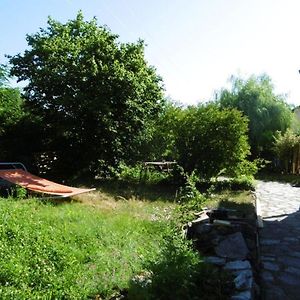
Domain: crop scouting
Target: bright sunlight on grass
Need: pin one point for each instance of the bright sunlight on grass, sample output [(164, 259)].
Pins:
[(76, 250)]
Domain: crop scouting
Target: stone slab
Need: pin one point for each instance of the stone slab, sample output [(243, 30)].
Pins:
[(238, 265), (233, 247)]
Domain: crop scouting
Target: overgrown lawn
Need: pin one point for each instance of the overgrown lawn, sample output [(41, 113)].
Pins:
[(75, 250), (100, 247)]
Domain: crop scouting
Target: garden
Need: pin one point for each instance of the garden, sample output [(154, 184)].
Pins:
[(91, 114)]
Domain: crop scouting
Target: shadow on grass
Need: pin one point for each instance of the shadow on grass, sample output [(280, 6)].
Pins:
[(180, 273), (57, 201), (241, 210)]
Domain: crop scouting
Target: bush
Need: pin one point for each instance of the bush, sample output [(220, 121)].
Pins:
[(140, 174), (189, 190), (190, 200), (180, 273), (210, 140)]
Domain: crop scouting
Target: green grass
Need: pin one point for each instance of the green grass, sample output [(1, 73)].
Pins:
[(74, 251), (98, 247), (242, 202)]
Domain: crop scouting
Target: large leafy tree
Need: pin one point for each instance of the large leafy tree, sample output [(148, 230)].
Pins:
[(210, 140), (267, 112), (10, 102), (19, 131), (93, 93)]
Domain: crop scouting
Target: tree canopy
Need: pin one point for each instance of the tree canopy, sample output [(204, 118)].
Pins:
[(93, 93), (267, 112), (10, 102)]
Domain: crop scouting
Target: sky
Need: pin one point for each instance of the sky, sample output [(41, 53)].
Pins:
[(195, 45)]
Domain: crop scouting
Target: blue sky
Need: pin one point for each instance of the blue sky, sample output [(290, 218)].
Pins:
[(196, 45)]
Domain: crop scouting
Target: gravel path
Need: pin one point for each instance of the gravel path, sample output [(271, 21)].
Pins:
[(280, 240)]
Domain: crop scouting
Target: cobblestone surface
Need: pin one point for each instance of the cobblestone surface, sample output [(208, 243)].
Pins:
[(280, 240)]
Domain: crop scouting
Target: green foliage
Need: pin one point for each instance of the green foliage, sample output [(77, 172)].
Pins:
[(10, 103), (188, 191), (266, 111), (210, 139), (158, 141), (241, 183), (189, 198), (140, 174), (73, 251), (94, 94), (179, 273), (285, 145), (18, 192), (16, 125)]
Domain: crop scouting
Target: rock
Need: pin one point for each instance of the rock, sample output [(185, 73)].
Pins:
[(291, 239), (246, 295), (251, 244), (267, 276), (202, 218), (290, 261), (294, 253), (244, 280), (221, 222), (215, 260), (274, 292), (225, 229), (218, 214), (269, 242), (233, 246), (238, 265), (271, 266), (201, 228), (293, 270), (289, 279), (267, 258)]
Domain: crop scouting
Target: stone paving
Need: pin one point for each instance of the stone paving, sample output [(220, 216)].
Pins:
[(280, 240)]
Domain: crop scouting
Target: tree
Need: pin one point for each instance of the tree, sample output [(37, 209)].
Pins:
[(286, 147), (267, 112), (10, 102), (210, 139), (93, 93), (158, 141), (17, 127)]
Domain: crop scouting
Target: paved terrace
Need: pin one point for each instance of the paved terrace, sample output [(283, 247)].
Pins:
[(280, 240)]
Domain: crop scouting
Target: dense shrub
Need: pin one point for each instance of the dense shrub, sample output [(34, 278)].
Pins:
[(210, 140)]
